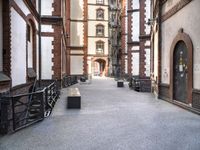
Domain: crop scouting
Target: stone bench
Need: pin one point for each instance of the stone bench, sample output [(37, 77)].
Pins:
[(120, 83), (73, 98)]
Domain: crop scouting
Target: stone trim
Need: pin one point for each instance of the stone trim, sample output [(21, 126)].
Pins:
[(32, 8), (51, 20), (85, 39), (175, 9), (97, 4), (56, 51), (143, 37), (129, 38), (181, 36), (123, 38), (6, 38), (48, 34)]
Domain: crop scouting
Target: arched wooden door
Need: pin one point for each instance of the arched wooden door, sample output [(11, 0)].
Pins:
[(180, 72)]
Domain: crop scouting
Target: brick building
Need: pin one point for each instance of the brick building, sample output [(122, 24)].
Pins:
[(138, 12), (175, 51), (88, 37), (33, 45)]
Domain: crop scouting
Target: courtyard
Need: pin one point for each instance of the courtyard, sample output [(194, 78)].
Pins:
[(110, 118)]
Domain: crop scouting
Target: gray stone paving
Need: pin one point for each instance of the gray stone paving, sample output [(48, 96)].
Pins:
[(111, 118)]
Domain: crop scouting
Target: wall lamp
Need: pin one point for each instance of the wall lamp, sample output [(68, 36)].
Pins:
[(151, 21)]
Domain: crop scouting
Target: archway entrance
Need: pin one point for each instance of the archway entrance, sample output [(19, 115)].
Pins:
[(180, 72), (99, 67)]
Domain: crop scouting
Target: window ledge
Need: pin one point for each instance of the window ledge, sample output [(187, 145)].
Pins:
[(3, 77)]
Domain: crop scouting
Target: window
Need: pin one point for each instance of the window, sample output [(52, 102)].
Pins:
[(100, 1), (99, 47), (100, 30), (100, 14), (113, 16), (28, 33)]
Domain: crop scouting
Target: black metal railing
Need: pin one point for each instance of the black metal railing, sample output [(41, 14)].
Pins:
[(51, 96), (69, 80), (140, 85), (25, 109)]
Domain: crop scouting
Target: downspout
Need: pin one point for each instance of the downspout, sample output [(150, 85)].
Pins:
[(39, 43), (159, 45)]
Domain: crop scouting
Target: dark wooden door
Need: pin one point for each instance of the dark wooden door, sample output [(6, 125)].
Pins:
[(180, 90)]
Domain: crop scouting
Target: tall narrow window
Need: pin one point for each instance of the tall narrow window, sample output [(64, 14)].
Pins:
[(100, 47), (28, 33), (100, 30), (31, 50), (100, 14), (100, 1)]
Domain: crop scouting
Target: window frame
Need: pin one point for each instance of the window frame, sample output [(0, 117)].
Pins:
[(100, 44), (100, 2), (97, 14), (98, 28)]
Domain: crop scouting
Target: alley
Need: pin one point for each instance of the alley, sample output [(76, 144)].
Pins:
[(111, 118)]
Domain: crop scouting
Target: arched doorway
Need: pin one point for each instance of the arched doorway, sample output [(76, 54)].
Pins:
[(180, 72), (99, 67), (181, 64)]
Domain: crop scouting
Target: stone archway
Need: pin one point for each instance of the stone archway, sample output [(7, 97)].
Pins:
[(100, 67), (184, 68)]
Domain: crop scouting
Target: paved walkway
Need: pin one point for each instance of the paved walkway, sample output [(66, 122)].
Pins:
[(111, 118)]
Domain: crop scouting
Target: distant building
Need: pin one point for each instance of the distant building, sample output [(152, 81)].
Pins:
[(88, 37)]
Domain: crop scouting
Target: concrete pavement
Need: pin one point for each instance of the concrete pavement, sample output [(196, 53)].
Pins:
[(111, 118)]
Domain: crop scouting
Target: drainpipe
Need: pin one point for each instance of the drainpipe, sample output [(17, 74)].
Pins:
[(39, 42)]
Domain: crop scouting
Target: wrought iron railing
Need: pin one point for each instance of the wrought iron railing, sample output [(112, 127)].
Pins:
[(26, 109), (51, 96), (69, 80)]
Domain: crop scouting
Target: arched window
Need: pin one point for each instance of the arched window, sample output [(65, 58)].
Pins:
[(31, 48), (99, 30), (100, 1), (100, 14), (99, 47)]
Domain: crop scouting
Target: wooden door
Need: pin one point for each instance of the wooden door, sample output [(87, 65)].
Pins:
[(180, 73)]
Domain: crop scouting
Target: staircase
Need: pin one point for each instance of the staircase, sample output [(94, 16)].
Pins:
[(35, 110)]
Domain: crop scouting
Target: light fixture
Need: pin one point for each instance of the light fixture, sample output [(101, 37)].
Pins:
[(151, 21)]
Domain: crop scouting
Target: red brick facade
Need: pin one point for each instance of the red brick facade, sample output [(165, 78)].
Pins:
[(124, 35), (143, 37)]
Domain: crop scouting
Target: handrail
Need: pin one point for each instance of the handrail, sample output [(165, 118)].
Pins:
[(31, 107), (26, 94)]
